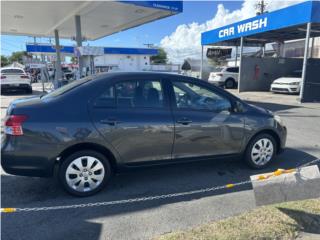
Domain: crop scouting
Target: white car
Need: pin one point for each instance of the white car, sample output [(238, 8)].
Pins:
[(225, 76), (288, 84), (15, 78)]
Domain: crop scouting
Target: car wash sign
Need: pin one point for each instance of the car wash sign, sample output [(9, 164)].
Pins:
[(243, 28), (282, 19)]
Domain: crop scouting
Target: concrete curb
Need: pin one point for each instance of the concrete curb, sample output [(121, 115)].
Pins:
[(298, 185)]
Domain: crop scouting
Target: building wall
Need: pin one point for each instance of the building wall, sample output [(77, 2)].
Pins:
[(123, 62), (296, 48)]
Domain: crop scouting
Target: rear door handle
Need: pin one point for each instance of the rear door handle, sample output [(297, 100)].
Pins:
[(184, 121), (110, 121)]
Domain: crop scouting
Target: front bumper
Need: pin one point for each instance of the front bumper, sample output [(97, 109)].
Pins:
[(284, 88)]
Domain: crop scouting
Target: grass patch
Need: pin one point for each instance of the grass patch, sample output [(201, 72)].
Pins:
[(279, 221)]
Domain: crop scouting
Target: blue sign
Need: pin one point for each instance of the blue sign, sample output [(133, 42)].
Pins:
[(174, 6), (33, 48), (287, 17)]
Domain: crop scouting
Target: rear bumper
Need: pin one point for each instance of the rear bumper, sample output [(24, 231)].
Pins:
[(27, 160), (15, 86), (217, 83)]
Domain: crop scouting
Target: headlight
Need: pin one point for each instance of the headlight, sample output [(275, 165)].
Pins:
[(279, 120), (294, 83)]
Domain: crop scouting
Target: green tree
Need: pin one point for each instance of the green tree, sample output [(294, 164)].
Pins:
[(4, 61), (161, 58), (17, 57), (74, 60)]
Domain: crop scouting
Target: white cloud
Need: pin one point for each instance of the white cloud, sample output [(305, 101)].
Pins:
[(185, 40)]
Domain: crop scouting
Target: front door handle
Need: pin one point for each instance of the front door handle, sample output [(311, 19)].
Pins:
[(110, 121), (184, 121)]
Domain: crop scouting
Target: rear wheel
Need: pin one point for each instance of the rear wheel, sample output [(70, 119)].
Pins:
[(230, 83), (260, 151), (84, 173)]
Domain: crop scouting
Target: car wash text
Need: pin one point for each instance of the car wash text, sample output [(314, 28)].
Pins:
[(244, 27)]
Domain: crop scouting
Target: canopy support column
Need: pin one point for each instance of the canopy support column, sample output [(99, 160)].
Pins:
[(305, 61), (240, 64), (79, 41), (236, 60), (58, 73), (201, 67)]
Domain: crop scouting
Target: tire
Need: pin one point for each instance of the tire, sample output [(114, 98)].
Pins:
[(230, 83), (257, 158), (86, 182)]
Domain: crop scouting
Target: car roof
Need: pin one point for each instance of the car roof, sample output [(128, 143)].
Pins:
[(139, 73)]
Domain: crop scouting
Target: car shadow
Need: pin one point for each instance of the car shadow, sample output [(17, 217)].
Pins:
[(306, 222), (142, 182)]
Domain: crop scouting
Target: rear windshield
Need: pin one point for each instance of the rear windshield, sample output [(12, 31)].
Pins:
[(218, 69), (72, 85), (12, 71)]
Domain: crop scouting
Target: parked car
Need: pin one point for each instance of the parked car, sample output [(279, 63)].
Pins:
[(15, 78), (225, 76), (92, 127), (68, 74), (288, 84)]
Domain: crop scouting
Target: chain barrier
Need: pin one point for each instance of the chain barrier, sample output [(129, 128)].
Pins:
[(157, 197)]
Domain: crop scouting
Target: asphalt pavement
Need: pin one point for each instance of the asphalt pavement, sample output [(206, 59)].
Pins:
[(145, 220)]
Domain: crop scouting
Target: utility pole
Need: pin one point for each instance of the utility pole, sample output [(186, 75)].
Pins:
[(261, 7)]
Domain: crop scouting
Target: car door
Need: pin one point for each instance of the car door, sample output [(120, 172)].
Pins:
[(205, 124), (134, 116)]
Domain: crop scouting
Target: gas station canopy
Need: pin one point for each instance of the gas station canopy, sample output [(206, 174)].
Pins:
[(277, 26), (98, 18)]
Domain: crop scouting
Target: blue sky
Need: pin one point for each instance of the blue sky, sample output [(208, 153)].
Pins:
[(194, 11)]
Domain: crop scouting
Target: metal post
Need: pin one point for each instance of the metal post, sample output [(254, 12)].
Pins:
[(236, 60), (240, 64), (79, 41), (201, 67), (264, 50), (305, 61), (58, 73), (312, 48)]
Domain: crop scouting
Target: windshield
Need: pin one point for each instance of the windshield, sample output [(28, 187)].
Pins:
[(72, 85), (295, 74)]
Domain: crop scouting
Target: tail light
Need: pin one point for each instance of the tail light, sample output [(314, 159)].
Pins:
[(24, 76), (3, 77), (13, 124)]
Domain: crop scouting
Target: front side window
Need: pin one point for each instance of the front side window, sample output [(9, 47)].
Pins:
[(196, 97)]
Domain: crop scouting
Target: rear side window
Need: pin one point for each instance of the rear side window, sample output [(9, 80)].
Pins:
[(233, 70), (66, 88), (190, 96), (132, 94), (12, 71)]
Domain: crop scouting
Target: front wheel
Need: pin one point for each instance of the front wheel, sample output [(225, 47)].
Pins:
[(260, 151), (84, 173)]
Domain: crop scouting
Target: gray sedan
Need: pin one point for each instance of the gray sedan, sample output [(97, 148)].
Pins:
[(87, 130)]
